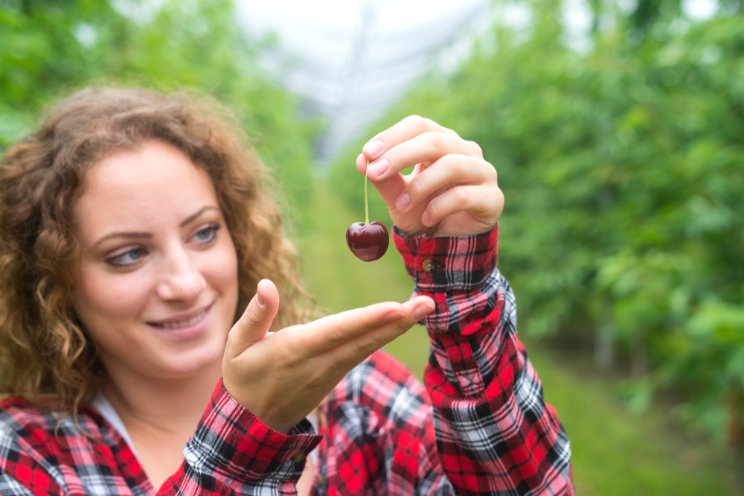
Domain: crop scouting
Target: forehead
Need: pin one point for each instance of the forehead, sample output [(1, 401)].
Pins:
[(150, 161), (154, 180)]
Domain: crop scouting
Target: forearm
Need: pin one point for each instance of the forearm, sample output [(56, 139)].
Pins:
[(494, 431), (234, 452), (489, 410)]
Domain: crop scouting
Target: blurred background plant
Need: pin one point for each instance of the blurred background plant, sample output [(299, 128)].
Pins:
[(623, 167), (622, 161), (50, 48)]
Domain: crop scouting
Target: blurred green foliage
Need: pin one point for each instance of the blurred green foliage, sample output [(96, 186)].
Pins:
[(50, 48), (623, 169), (614, 451)]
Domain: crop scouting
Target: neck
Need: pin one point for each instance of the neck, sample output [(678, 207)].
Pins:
[(160, 414), (170, 406)]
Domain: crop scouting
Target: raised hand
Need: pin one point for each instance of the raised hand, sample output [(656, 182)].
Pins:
[(452, 190), (283, 376)]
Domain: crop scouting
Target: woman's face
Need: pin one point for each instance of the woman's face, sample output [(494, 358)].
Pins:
[(157, 283)]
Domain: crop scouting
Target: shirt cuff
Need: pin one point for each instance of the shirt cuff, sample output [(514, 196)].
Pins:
[(441, 264), (235, 442)]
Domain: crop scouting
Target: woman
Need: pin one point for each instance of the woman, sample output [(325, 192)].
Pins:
[(144, 274)]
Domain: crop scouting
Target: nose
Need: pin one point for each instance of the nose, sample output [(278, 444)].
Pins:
[(181, 279)]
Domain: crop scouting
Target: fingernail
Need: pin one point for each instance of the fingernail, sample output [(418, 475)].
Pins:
[(403, 202), (259, 300), (361, 160), (377, 169), (421, 311), (373, 148)]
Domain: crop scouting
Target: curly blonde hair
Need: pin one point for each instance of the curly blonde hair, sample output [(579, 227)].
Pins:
[(45, 354)]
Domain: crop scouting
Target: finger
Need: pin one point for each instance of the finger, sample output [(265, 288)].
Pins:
[(255, 321), (422, 149), (390, 188), (325, 334), (449, 171), (392, 185), (429, 146), (483, 204), (404, 130), (354, 351)]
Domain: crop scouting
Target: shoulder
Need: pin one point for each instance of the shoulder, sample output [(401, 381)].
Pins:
[(19, 417), (389, 367), (382, 387), (44, 450), (384, 370), (46, 429)]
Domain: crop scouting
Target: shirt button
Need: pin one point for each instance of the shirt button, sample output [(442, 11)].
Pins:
[(299, 458), (428, 265)]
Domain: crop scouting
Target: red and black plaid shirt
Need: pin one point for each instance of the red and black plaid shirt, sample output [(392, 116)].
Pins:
[(479, 426)]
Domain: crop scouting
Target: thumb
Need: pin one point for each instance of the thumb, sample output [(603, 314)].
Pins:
[(390, 189), (256, 320)]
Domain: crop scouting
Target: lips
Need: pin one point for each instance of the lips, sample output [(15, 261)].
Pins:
[(182, 321)]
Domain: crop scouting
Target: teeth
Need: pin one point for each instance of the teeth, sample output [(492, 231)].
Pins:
[(180, 323)]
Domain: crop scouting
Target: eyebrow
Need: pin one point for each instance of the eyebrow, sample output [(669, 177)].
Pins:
[(191, 218), (147, 235)]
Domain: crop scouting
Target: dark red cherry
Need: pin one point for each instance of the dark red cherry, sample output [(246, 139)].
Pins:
[(367, 241)]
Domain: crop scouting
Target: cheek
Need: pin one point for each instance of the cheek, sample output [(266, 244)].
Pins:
[(227, 273), (100, 299), (219, 267)]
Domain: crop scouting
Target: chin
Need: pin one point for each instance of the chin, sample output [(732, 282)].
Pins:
[(206, 358)]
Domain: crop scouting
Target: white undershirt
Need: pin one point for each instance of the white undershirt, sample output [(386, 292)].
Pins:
[(313, 418), (106, 409)]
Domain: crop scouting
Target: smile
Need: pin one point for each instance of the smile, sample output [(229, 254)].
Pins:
[(181, 323)]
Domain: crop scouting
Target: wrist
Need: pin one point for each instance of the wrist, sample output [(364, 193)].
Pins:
[(441, 264)]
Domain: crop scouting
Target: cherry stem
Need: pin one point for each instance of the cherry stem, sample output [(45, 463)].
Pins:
[(366, 202)]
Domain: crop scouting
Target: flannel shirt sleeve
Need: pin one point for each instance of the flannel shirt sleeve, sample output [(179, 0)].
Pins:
[(233, 452), (495, 433)]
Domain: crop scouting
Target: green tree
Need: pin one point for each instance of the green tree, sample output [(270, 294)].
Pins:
[(623, 169), (51, 48)]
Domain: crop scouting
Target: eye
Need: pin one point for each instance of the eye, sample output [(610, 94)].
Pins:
[(126, 258), (207, 234)]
